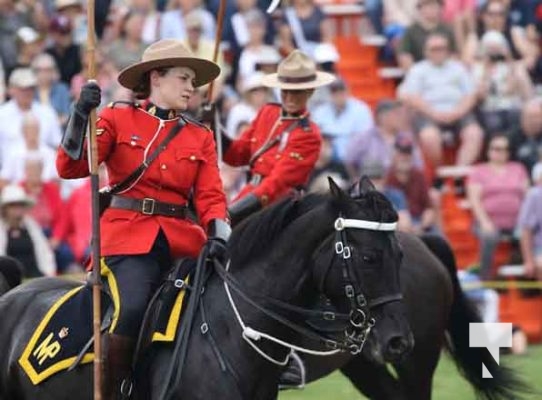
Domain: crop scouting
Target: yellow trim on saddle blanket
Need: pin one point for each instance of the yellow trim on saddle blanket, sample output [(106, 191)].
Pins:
[(174, 318), (49, 347), (113, 291)]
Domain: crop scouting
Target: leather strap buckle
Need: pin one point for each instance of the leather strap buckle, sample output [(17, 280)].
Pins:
[(147, 207)]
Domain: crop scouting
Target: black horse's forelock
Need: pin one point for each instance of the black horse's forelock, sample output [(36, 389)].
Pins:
[(377, 206)]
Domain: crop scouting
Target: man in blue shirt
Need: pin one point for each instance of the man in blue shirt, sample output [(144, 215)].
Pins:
[(344, 117)]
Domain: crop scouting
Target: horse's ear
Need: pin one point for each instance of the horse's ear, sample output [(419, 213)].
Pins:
[(365, 185), (355, 191), (335, 190)]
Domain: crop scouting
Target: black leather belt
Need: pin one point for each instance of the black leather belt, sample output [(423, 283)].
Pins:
[(149, 206)]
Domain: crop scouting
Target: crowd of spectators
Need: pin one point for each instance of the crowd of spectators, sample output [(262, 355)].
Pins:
[(472, 71)]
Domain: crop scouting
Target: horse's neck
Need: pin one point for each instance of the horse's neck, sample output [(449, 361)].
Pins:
[(283, 274)]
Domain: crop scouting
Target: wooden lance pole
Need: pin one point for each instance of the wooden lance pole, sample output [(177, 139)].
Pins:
[(95, 187), (218, 39)]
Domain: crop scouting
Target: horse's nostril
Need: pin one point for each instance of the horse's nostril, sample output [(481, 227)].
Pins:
[(397, 345)]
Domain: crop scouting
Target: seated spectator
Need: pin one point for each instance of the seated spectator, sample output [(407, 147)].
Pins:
[(461, 15), (530, 226), (128, 48), (429, 20), (172, 24), (29, 45), (374, 170), (203, 48), (527, 138), (48, 211), (493, 17), (150, 32), (326, 167), (303, 27), (267, 62), (503, 84), (13, 167), (398, 16), (50, 91), (22, 84), (345, 117), (405, 176), (12, 18), (106, 76), (378, 142), (239, 36), (255, 46), (326, 58), (495, 190), (442, 95), (21, 236), (254, 96), (73, 10), (66, 53)]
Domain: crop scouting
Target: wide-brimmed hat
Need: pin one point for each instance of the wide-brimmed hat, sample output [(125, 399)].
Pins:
[(14, 194), (168, 53), (297, 72), (23, 78)]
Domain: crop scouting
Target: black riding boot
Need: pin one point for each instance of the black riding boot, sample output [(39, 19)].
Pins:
[(293, 376), (118, 363)]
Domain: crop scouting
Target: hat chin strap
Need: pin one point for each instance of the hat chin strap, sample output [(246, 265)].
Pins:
[(342, 223)]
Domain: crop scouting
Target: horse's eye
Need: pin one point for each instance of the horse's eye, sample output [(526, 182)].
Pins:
[(368, 258)]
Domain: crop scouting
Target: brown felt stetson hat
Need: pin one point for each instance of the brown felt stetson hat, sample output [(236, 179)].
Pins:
[(297, 72), (168, 53)]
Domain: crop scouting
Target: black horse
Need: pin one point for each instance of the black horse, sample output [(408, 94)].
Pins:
[(439, 315), (288, 253)]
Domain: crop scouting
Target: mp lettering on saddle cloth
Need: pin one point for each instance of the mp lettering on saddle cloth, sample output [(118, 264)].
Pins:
[(67, 327), (493, 336)]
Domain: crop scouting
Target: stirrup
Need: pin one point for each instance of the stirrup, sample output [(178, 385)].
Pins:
[(294, 374)]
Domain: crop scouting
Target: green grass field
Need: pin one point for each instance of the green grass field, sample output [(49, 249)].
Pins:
[(447, 385)]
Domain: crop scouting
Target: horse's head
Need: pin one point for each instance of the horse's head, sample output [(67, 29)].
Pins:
[(361, 273)]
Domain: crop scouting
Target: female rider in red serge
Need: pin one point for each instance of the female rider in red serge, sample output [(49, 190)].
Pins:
[(146, 227)]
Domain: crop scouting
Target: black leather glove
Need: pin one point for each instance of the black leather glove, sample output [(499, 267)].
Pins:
[(243, 208), (219, 232), (89, 98)]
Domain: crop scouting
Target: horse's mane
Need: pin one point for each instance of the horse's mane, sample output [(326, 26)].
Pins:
[(255, 235)]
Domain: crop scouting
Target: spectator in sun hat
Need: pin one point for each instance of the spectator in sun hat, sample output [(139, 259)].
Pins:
[(254, 95), (391, 121), (66, 53), (21, 236), (29, 45), (22, 84), (345, 116), (74, 11), (326, 57)]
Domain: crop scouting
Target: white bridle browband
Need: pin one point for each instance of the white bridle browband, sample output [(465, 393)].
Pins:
[(342, 223)]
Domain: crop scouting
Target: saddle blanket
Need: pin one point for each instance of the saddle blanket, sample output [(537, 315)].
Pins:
[(67, 327)]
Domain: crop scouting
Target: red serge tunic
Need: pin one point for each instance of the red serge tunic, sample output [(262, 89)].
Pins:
[(125, 134), (286, 165)]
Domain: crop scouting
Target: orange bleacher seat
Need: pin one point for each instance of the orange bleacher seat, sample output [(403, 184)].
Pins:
[(524, 311)]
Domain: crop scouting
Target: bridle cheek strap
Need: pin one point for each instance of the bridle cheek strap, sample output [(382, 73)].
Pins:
[(343, 223)]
